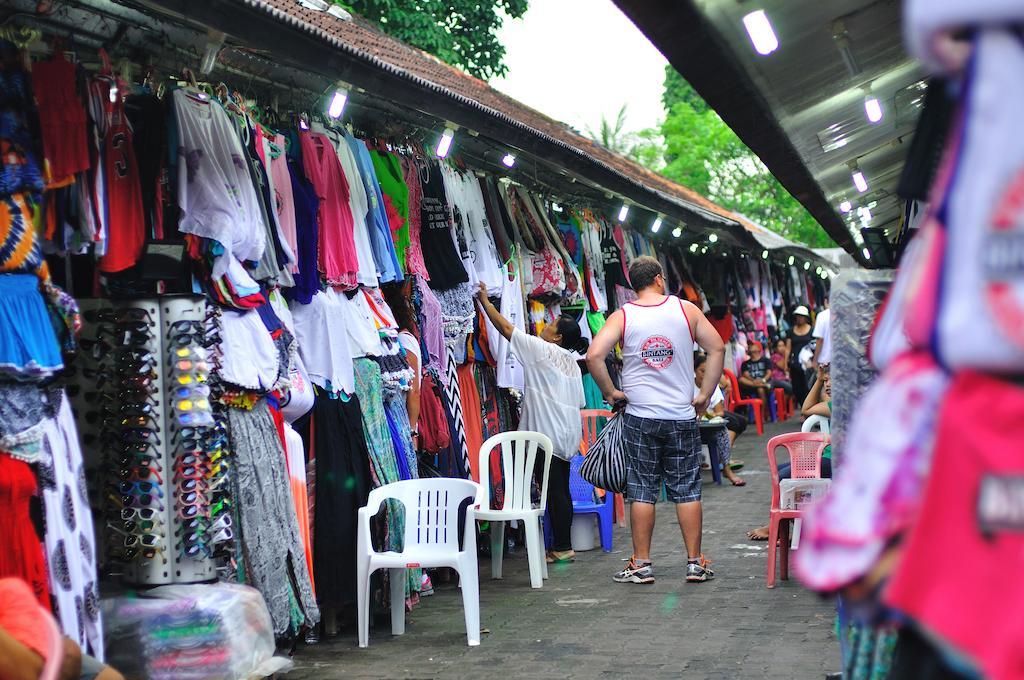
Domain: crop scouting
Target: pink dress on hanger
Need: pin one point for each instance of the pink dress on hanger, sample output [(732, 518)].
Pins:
[(337, 256), (283, 198)]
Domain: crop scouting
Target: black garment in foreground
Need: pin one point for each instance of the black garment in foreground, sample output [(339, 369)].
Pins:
[(342, 485), (559, 501)]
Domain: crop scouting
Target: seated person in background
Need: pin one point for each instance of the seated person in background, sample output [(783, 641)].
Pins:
[(817, 403), (755, 374), (780, 368), (724, 437)]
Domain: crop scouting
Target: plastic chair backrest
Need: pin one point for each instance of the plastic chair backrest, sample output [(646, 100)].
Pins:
[(734, 385), (580, 489), (592, 424), (805, 450), (820, 423), (55, 656), (518, 459), (431, 508)]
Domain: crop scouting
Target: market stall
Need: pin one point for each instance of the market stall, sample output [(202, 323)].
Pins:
[(221, 287)]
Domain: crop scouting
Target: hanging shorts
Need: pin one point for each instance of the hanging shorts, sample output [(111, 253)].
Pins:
[(662, 449)]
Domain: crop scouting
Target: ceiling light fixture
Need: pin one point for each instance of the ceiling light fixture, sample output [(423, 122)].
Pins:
[(656, 225), (623, 212), (858, 177), (873, 109), (845, 207), (214, 41), (713, 238), (509, 160), (338, 101), (703, 250), (556, 207), (761, 33), (677, 232), (693, 248), (444, 145), (842, 40), (807, 265), (867, 254), (792, 259), (764, 254)]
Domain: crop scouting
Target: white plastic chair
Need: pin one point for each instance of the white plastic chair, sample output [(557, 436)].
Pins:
[(813, 423), (431, 540), (518, 458)]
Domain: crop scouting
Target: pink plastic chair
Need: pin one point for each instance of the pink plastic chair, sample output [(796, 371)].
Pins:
[(805, 450), (590, 432)]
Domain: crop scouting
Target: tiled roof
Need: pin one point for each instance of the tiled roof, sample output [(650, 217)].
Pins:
[(363, 38)]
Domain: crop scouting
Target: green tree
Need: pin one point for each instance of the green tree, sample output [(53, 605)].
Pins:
[(704, 154), (645, 147), (459, 32)]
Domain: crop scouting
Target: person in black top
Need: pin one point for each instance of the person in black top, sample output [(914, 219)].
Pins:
[(756, 373), (800, 335)]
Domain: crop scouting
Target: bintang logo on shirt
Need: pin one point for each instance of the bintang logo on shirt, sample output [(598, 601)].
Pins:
[(657, 352)]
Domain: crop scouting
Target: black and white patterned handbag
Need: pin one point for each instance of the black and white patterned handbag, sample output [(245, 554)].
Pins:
[(604, 466)]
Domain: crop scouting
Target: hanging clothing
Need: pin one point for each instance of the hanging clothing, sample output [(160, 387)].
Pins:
[(295, 453), (22, 556), (472, 417), (324, 342), (62, 122), (358, 205), (342, 462), (69, 534), (377, 219), (215, 191), (337, 251), (307, 235), (392, 184), (414, 256), (284, 200), (439, 251), (271, 547), (29, 348), (123, 206)]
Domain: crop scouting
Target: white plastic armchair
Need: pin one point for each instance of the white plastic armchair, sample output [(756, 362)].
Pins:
[(519, 451), (431, 540), (820, 423)]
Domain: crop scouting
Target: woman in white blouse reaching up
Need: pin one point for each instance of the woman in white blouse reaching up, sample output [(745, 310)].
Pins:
[(552, 399)]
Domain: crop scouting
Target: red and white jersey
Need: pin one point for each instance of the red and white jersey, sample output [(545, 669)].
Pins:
[(117, 178), (657, 360)]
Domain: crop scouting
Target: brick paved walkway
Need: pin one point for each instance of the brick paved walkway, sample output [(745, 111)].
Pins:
[(583, 625)]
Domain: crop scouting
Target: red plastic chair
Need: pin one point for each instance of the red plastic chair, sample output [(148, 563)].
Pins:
[(805, 450), (781, 405), (590, 432), (736, 400)]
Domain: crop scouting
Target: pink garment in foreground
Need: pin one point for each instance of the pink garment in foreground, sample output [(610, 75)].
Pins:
[(959, 574), (337, 253)]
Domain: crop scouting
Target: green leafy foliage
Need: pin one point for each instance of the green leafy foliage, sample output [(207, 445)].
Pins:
[(704, 154), (645, 147), (459, 32)]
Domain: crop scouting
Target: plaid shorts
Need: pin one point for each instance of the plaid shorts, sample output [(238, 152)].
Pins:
[(662, 447)]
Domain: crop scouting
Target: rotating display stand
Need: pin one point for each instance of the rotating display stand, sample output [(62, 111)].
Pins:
[(110, 402)]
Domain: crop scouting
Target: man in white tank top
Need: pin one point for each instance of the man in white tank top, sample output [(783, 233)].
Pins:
[(657, 333)]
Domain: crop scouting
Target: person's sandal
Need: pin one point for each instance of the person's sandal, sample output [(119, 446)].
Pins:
[(556, 557)]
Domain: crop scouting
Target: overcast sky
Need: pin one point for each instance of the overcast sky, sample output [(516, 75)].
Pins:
[(576, 60)]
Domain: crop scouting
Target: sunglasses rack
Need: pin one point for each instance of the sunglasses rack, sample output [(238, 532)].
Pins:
[(142, 403)]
